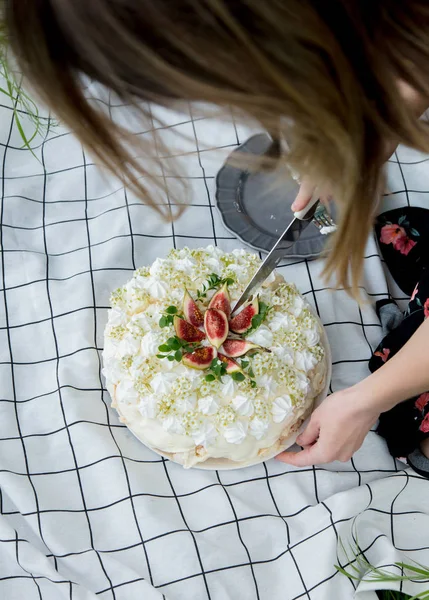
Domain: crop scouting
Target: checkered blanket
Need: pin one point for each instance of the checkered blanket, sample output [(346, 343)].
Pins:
[(86, 510)]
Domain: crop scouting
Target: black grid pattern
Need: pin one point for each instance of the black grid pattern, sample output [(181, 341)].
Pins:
[(86, 511)]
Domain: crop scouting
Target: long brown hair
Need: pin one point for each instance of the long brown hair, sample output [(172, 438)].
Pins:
[(321, 74)]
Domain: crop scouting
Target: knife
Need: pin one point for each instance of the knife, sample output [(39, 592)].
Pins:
[(287, 239)]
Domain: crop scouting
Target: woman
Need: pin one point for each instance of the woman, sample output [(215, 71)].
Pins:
[(343, 81)]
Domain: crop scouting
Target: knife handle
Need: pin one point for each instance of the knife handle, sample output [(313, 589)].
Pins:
[(300, 214)]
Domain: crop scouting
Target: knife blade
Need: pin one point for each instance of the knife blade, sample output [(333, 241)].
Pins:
[(287, 239)]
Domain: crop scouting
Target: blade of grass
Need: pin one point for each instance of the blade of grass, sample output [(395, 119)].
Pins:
[(22, 134)]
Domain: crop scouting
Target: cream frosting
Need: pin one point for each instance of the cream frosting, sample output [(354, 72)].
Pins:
[(172, 407)]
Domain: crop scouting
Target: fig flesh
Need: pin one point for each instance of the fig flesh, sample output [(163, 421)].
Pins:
[(187, 332), (200, 359), (222, 301), (230, 364), (216, 326), (241, 322), (235, 348), (191, 311)]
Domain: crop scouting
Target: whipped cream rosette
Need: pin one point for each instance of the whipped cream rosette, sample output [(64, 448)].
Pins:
[(193, 381)]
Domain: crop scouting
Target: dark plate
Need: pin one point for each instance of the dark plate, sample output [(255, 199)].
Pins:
[(256, 209)]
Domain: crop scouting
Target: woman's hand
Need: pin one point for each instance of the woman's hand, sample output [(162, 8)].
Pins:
[(336, 429), (306, 192)]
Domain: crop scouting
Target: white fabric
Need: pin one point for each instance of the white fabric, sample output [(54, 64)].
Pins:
[(86, 510)]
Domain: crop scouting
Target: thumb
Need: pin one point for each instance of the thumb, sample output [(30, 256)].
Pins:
[(306, 458), (304, 196), (310, 434)]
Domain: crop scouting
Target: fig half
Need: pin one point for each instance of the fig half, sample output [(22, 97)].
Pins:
[(200, 359), (191, 311), (243, 320), (222, 301), (216, 326), (187, 332), (236, 348), (231, 365)]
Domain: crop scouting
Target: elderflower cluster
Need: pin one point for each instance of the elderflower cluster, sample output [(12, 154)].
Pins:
[(117, 333), (225, 416), (264, 363), (182, 386), (208, 388)]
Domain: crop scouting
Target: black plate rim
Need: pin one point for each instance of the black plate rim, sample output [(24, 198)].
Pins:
[(232, 200)]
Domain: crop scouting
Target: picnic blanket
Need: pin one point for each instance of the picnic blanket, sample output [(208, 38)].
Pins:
[(86, 510)]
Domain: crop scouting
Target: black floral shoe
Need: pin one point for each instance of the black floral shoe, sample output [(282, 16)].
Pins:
[(419, 462)]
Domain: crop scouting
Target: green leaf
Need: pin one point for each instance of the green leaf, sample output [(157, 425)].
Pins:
[(160, 355), (22, 133), (420, 569), (238, 376), (214, 363), (163, 322), (178, 355), (252, 383), (346, 573), (251, 373), (170, 358), (164, 348), (171, 310), (209, 377), (244, 363), (174, 343), (414, 232)]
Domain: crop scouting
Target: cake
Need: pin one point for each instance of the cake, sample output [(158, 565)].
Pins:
[(193, 381)]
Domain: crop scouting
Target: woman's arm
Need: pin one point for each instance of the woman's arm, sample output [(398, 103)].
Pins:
[(339, 425)]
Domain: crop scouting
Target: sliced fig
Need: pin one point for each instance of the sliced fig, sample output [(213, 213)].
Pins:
[(222, 301), (231, 365), (216, 326), (235, 348), (200, 359), (243, 320), (187, 332), (191, 311)]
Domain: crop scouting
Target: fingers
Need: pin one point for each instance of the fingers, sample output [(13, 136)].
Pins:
[(316, 454), (310, 434), (304, 196), (325, 199)]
